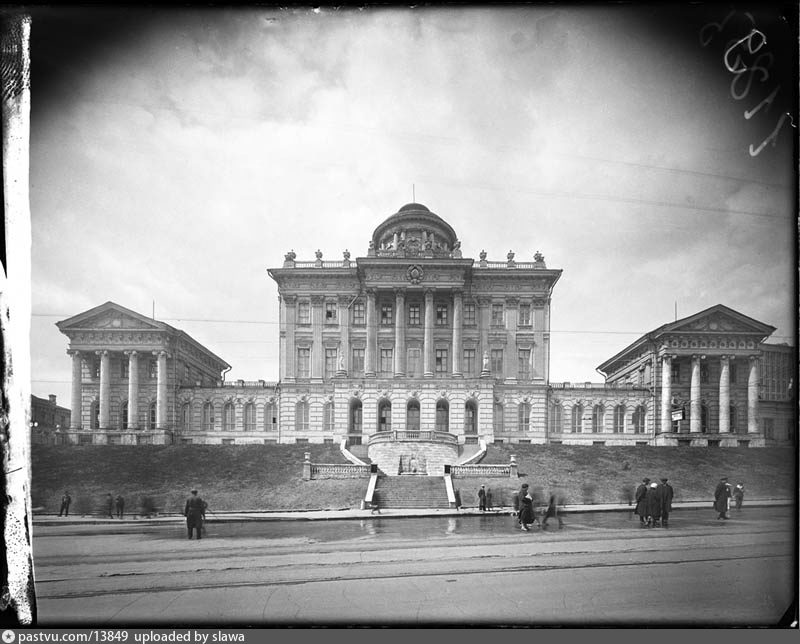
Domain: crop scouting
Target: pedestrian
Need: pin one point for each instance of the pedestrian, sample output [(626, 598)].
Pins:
[(110, 505), (738, 495), (65, 501), (489, 498), (458, 499), (120, 503), (722, 498), (517, 500), (482, 498), (641, 505), (526, 517), (195, 512), (376, 503), (653, 502), (666, 502), (552, 511)]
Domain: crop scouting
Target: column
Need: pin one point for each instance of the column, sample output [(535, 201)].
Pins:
[(457, 323), (752, 396), (483, 325), (290, 312), (133, 389), (666, 393), (372, 337), (161, 389), (399, 331), (343, 362), (694, 397), (317, 350), (427, 346), (77, 375), (105, 389), (724, 395)]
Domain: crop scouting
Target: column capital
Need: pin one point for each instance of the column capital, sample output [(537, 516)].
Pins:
[(162, 353), (753, 358), (666, 358), (317, 300), (344, 300), (429, 292), (131, 352), (512, 300), (399, 291), (73, 352), (484, 300), (289, 298), (101, 352)]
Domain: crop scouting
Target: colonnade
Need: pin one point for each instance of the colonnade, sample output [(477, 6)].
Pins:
[(695, 393)]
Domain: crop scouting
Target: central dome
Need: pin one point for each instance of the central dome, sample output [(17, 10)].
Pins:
[(414, 228)]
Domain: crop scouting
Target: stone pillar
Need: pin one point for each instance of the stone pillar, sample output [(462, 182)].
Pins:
[(427, 346), (666, 393), (694, 397), (724, 395), (317, 350), (343, 365), (483, 324), (77, 376), (161, 389), (290, 313), (752, 396), (133, 389), (457, 333), (399, 331), (105, 389), (372, 337)]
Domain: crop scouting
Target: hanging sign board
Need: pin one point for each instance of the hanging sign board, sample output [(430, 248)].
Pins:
[(677, 414)]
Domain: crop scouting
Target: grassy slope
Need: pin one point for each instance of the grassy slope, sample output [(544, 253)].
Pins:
[(269, 477)]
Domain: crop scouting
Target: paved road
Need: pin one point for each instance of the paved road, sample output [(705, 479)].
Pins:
[(600, 569)]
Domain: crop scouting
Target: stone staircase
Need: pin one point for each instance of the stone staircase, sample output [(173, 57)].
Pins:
[(411, 492), (359, 451)]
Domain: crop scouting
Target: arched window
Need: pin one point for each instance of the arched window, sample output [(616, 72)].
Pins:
[(151, 416), (524, 417), (442, 416), (327, 417), (123, 415), (249, 417), (598, 418), (412, 416), (638, 419), (301, 416), (355, 417), (703, 418), (556, 419), (470, 417), (577, 419), (271, 417), (619, 419), (228, 417), (384, 416), (734, 421), (497, 417), (186, 416), (94, 415), (208, 417)]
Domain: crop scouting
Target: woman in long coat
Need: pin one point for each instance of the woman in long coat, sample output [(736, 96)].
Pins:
[(641, 505), (526, 511), (721, 496)]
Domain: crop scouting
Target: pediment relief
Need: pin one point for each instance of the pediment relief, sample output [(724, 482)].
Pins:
[(718, 322), (113, 320)]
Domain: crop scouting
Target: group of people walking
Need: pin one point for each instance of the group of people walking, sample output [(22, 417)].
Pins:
[(113, 504), (722, 497), (654, 503), (525, 510)]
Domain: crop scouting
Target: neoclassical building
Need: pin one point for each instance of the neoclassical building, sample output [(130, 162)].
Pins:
[(415, 340)]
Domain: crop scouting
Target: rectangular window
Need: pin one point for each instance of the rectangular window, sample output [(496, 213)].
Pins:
[(303, 312), (469, 362), (124, 365), (441, 362), (330, 312), (524, 417), (413, 315), (497, 418), (386, 368), (152, 369), (330, 363), (497, 315), (386, 314), (228, 441), (524, 314), (676, 373), (732, 373), (703, 373), (413, 363), (469, 314), (441, 315), (301, 441), (359, 316), (496, 362), (524, 364), (357, 363), (96, 368), (303, 363)]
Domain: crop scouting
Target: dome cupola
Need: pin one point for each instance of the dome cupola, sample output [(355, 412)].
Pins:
[(414, 230)]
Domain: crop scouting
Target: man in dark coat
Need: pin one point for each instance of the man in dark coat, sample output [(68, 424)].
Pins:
[(482, 498), (110, 505), (517, 500), (120, 502), (721, 496), (65, 501), (666, 502), (552, 511), (641, 506), (653, 501), (195, 512)]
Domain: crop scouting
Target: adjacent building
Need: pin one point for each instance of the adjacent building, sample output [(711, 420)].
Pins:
[(414, 341)]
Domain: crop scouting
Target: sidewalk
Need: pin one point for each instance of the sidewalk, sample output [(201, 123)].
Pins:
[(354, 513)]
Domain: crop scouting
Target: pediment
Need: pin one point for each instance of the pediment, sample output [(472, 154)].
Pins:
[(719, 319), (111, 317)]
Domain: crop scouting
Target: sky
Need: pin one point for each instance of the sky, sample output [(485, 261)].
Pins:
[(178, 154)]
